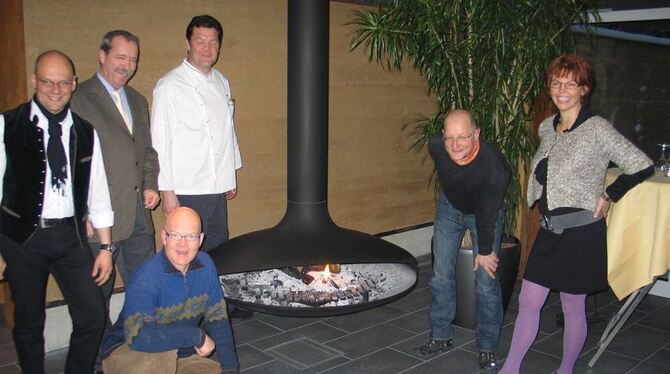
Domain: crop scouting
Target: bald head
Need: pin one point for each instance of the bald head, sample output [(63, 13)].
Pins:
[(182, 237), (183, 217), (460, 135), (54, 57), (53, 80), (460, 116)]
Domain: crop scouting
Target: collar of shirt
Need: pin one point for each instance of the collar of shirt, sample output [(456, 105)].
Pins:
[(110, 89), (584, 114), (43, 123), (197, 74), (169, 268)]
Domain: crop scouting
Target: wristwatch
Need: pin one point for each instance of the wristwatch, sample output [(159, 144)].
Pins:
[(606, 197), (111, 248)]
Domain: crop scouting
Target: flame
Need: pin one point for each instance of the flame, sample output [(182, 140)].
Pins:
[(326, 272)]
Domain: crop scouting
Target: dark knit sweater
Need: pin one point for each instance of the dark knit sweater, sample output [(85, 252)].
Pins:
[(476, 188), (166, 310)]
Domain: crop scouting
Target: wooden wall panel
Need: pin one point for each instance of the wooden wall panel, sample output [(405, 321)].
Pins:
[(375, 184), (12, 84), (12, 55)]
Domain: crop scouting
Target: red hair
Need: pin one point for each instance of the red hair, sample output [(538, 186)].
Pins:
[(571, 64)]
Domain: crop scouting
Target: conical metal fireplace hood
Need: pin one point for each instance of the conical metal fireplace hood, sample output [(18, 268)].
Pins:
[(307, 235)]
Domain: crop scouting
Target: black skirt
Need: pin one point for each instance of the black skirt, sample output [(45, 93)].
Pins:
[(574, 261)]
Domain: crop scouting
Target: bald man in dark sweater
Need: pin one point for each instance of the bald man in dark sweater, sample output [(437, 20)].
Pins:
[(473, 178)]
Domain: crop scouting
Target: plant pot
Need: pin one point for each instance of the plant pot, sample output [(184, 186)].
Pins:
[(508, 268)]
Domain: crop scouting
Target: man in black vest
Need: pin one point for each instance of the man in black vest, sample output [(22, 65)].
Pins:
[(53, 179)]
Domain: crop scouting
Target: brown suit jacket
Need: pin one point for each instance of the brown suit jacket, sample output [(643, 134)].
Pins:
[(131, 162)]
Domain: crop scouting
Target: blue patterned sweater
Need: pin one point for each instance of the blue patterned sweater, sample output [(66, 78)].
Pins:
[(166, 310)]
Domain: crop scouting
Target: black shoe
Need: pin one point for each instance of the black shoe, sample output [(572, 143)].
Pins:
[(487, 360), (239, 313), (433, 346)]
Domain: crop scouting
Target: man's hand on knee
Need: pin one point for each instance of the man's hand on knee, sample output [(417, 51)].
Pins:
[(207, 347), (487, 262)]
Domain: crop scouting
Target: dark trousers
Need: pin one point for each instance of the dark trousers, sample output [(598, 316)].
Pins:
[(59, 251), (213, 211), (130, 252)]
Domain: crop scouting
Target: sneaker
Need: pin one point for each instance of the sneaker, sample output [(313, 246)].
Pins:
[(433, 346), (487, 360)]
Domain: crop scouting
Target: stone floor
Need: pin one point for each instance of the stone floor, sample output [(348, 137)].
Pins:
[(382, 340)]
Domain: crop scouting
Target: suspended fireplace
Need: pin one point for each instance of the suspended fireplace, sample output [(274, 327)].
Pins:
[(307, 265)]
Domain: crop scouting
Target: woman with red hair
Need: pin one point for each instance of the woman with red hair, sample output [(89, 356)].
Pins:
[(567, 183)]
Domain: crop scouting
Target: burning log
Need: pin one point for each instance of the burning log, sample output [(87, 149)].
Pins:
[(333, 268), (298, 272)]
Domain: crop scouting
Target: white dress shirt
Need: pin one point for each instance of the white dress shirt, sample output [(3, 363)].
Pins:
[(193, 132), (60, 203)]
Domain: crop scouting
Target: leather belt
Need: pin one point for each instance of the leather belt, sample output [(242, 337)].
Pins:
[(45, 223), (557, 224)]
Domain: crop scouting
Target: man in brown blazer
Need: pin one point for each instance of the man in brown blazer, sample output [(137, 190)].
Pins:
[(121, 117)]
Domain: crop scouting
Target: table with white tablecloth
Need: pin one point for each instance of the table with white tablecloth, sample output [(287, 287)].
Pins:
[(638, 246)]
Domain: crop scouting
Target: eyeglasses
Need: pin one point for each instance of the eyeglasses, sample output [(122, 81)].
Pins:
[(456, 138), (61, 84), (177, 236), (572, 85)]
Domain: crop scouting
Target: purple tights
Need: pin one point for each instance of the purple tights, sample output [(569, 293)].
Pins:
[(531, 300)]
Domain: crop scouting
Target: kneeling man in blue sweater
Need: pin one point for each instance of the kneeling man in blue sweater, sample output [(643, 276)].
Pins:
[(174, 315)]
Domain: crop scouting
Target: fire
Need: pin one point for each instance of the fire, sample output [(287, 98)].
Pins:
[(326, 272)]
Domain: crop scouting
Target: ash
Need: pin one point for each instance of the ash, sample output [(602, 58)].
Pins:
[(354, 284)]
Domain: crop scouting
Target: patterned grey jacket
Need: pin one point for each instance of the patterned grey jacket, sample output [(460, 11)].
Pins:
[(578, 160)]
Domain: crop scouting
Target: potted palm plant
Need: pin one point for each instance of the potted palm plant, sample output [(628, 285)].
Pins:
[(485, 56)]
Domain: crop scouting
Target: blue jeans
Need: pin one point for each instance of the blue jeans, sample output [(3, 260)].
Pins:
[(449, 228)]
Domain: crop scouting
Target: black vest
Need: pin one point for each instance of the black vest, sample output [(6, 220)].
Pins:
[(24, 179)]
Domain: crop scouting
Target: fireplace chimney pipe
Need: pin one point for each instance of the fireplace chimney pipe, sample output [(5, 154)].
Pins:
[(306, 234)]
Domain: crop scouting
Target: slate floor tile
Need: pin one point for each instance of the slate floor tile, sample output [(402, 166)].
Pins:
[(6, 336), (638, 341), (510, 316), (303, 353), (548, 318), (369, 340), (319, 332), (416, 299), (383, 361), (416, 322), (608, 363), (7, 354), (458, 361), (650, 303), (253, 330), (659, 319), (280, 367), (539, 363), (250, 356), (358, 321), (10, 369), (658, 363), (289, 323)]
